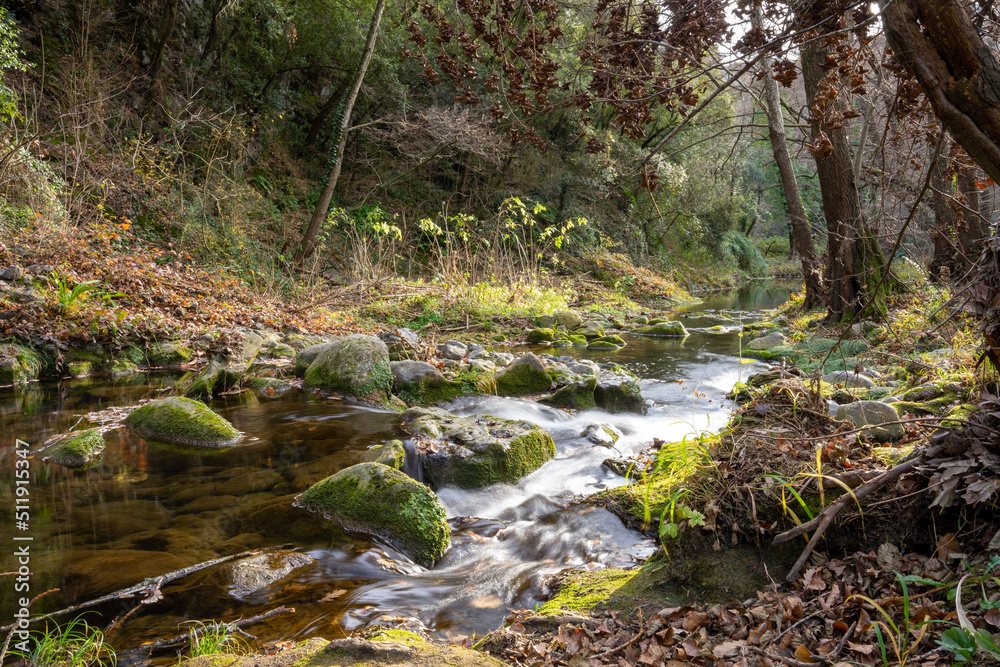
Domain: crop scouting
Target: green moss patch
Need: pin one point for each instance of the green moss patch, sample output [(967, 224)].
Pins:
[(376, 500), (77, 450), (182, 421)]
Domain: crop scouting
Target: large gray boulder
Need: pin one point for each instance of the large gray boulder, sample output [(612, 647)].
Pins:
[(526, 375), (619, 393), (356, 366), (379, 501), (875, 414), (476, 451), (849, 379), (407, 372), (182, 421), (773, 339)]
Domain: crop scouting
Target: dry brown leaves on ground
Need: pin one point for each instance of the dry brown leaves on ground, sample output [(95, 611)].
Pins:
[(833, 615)]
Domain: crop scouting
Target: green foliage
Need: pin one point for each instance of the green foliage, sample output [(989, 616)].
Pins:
[(212, 638), (743, 251), (10, 59), (76, 644)]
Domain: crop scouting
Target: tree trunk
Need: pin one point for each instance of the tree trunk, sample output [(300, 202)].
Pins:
[(325, 111), (319, 215), (958, 72), (942, 262), (973, 231), (844, 277), (796, 212)]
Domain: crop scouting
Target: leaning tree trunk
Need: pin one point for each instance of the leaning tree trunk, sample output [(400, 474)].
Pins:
[(319, 215), (796, 212), (943, 260), (848, 254)]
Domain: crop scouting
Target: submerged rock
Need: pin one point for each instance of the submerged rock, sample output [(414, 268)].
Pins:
[(77, 450), (355, 366), (667, 328), (268, 387), (476, 451), (182, 421), (249, 575), (619, 393), (389, 453), (526, 375), (874, 414), (376, 500)]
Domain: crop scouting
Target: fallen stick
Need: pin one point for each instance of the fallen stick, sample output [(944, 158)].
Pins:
[(231, 627), (822, 520), (149, 586)]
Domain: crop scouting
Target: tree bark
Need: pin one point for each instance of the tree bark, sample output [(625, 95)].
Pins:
[(796, 212), (958, 72), (844, 278), (942, 262), (325, 111), (319, 215)]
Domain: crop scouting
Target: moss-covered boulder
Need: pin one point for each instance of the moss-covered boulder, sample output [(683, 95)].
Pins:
[(665, 328), (475, 451), (356, 366), (604, 435), (182, 421), (18, 365), (204, 384), (526, 375), (305, 357), (575, 396), (568, 319), (238, 359), (168, 355), (877, 416), (590, 330), (379, 501), (619, 393), (577, 340), (541, 335), (77, 450), (122, 368), (391, 453)]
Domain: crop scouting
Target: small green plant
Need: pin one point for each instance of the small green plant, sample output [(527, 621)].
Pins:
[(964, 640), (212, 638), (902, 637), (76, 644), (67, 296)]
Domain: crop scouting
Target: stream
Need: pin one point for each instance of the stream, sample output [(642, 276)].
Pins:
[(148, 509)]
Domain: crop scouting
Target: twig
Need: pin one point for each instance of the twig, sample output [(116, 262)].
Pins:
[(232, 626), (822, 520), (150, 586), (637, 637)]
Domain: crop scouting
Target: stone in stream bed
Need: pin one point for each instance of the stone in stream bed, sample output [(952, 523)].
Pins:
[(18, 365), (527, 375), (249, 575), (182, 421), (576, 396), (356, 366), (77, 450), (665, 328), (379, 501), (476, 451), (307, 355), (619, 393), (389, 453), (266, 387), (876, 415)]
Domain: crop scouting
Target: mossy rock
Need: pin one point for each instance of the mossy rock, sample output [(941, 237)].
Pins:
[(568, 319), (617, 341), (265, 387), (937, 406), (478, 450), (958, 415), (541, 335), (576, 396), (207, 381), (527, 375), (280, 351), (239, 360), (18, 365), (182, 421), (78, 450), (590, 330), (603, 345), (169, 355), (382, 648), (391, 453), (664, 328), (379, 501), (578, 341), (307, 355), (122, 368), (80, 369), (619, 393), (356, 366)]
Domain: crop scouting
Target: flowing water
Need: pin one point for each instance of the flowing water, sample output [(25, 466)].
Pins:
[(147, 509)]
